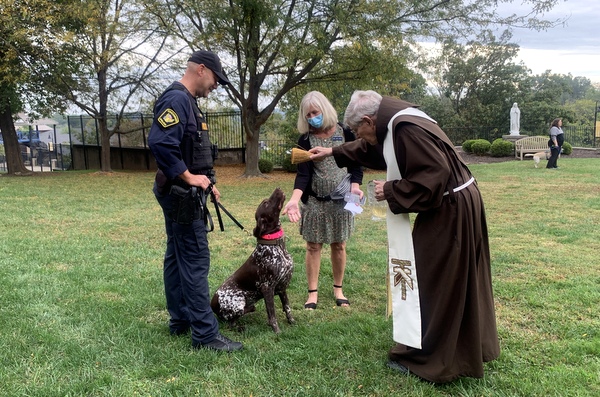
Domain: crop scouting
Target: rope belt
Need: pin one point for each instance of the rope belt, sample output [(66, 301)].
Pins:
[(461, 187)]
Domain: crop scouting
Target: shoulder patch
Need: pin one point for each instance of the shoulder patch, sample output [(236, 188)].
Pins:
[(168, 118)]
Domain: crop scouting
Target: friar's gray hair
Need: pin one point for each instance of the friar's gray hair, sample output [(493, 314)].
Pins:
[(362, 103)]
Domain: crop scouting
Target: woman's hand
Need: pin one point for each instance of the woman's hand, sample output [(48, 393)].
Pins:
[(292, 210), (355, 189)]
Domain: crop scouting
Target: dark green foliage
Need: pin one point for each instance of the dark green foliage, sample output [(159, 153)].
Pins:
[(467, 145), (567, 148), (265, 166), (481, 147), (288, 166), (502, 148)]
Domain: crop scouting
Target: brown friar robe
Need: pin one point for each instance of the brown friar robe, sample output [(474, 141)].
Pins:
[(450, 243)]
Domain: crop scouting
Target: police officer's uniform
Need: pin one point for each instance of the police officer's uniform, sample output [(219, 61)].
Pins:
[(179, 141)]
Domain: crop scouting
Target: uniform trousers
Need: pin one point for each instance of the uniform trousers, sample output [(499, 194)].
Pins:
[(186, 266)]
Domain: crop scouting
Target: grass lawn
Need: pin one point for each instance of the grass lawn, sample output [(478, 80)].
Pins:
[(82, 309)]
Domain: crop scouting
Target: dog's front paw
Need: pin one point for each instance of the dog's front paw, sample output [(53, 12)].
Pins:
[(235, 326)]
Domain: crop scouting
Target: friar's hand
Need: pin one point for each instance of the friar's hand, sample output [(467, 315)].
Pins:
[(319, 153), (379, 194)]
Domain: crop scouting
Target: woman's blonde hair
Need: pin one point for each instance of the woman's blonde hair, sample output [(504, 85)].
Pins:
[(318, 100)]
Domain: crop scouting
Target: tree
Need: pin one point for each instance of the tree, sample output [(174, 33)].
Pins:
[(121, 53), (552, 87), (480, 79), (272, 46), (582, 112), (382, 68), (31, 35), (546, 100)]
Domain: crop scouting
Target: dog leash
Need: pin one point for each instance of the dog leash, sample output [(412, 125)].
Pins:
[(219, 207), (219, 218)]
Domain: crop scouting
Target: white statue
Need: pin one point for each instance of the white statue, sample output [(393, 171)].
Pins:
[(515, 122)]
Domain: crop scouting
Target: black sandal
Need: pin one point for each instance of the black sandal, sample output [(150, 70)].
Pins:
[(340, 301), (311, 305)]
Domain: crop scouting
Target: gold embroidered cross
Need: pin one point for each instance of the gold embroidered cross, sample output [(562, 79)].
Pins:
[(402, 272)]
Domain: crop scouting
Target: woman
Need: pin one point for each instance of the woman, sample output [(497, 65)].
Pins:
[(323, 219), (557, 138)]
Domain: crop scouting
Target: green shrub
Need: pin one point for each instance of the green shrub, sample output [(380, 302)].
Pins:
[(467, 145), (287, 164), (481, 147), (567, 148), (502, 148), (265, 166)]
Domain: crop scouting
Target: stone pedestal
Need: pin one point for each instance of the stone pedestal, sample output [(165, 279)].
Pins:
[(513, 138)]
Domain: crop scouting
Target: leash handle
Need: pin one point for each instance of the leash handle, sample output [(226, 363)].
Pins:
[(219, 218), (218, 206)]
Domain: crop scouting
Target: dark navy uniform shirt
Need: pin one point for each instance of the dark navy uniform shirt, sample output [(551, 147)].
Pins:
[(173, 115)]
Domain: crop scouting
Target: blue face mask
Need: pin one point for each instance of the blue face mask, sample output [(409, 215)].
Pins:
[(316, 121)]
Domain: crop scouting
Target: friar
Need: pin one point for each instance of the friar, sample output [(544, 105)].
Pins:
[(440, 275)]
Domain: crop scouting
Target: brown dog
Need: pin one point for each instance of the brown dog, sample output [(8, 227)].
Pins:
[(266, 273)]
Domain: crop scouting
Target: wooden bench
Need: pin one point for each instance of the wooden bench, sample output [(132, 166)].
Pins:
[(530, 144)]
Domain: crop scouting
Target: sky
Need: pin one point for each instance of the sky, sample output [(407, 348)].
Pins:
[(573, 48)]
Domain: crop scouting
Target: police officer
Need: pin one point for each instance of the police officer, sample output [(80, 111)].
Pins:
[(179, 141)]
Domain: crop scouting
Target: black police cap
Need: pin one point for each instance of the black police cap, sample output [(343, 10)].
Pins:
[(211, 61)]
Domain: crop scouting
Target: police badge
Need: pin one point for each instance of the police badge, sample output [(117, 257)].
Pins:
[(168, 118)]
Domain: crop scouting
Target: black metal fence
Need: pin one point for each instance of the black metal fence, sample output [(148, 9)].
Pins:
[(40, 156), (577, 136), (226, 131), (276, 151), (132, 144), (460, 134)]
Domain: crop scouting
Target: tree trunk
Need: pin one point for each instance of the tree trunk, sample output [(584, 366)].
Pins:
[(252, 153), (105, 149), (102, 121), (12, 150)]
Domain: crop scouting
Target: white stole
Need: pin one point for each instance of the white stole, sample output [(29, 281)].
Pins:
[(402, 269)]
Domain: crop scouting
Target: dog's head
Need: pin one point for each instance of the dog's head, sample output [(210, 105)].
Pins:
[(267, 214)]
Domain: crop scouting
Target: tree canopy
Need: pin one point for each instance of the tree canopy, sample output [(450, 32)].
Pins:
[(121, 53), (116, 55), (271, 47), (479, 80), (31, 35)]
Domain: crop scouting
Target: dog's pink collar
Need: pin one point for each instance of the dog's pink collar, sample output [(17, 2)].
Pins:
[(273, 236)]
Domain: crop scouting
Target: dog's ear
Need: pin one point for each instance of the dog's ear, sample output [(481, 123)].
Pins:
[(259, 229)]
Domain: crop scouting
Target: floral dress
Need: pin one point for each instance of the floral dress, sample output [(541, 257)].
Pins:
[(326, 221)]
